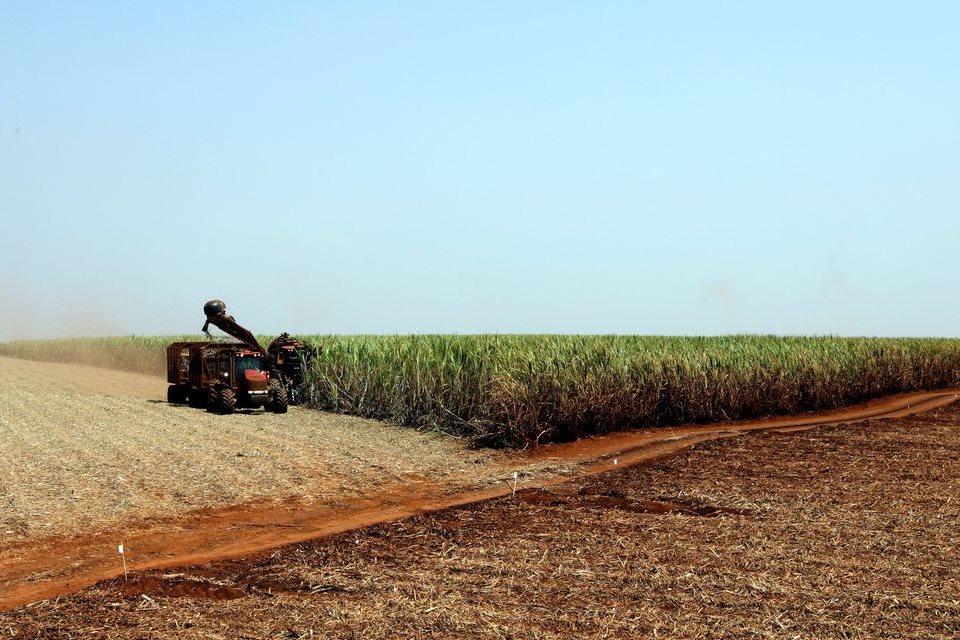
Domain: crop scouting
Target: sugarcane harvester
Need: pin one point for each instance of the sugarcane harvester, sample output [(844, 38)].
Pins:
[(223, 376)]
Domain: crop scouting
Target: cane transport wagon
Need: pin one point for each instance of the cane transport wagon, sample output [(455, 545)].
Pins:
[(223, 376)]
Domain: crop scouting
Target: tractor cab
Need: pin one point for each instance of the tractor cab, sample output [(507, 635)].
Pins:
[(252, 377), (250, 362)]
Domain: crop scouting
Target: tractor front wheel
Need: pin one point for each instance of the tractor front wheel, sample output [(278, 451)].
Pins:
[(278, 397)]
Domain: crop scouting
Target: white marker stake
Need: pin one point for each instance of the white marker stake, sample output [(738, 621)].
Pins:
[(614, 462), (124, 556), (514, 493)]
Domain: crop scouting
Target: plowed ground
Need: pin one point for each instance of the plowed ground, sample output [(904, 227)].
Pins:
[(845, 531)]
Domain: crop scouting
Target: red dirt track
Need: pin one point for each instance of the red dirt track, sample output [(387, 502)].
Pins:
[(54, 566)]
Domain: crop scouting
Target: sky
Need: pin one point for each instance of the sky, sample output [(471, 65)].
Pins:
[(679, 168)]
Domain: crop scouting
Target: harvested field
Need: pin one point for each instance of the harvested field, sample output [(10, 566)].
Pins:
[(84, 449), (839, 532)]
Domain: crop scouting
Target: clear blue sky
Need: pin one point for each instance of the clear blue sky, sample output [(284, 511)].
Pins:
[(397, 167)]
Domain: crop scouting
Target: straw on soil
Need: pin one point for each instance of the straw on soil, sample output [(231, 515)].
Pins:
[(82, 448)]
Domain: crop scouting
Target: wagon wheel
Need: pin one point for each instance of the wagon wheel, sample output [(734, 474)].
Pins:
[(197, 398)]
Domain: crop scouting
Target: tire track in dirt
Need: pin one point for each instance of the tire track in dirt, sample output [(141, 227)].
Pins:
[(39, 569)]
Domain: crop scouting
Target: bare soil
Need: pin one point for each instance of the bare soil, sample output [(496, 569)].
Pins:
[(837, 532)]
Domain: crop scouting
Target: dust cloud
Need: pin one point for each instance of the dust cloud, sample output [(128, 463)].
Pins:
[(725, 299), (17, 320), (75, 315)]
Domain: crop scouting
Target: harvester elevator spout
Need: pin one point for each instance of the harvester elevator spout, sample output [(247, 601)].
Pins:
[(216, 312)]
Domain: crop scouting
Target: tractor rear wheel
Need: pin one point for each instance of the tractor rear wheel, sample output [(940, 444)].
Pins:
[(278, 397), (213, 400), (228, 401)]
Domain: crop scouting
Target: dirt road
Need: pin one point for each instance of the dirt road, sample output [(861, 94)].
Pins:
[(92, 457)]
